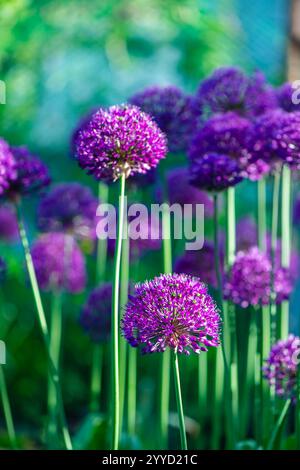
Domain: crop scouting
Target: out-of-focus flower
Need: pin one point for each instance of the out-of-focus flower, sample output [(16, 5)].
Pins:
[(172, 110), (214, 172), (171, 311), (7, 166), (8, 224), (119, 140), (2, 269), (249, 282), (69, 207), (281, 367), (246, 233), (200, 263), (181, 191), (229, 89), (59, 263), (95, 316), (285, 98)]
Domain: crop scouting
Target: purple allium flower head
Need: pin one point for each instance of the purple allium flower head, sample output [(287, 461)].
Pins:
[(118, 140), (229, 89), (285, 98), (181, 191), (69, 207), (32, 173), (7, 166), (249, 282), (281, 367), (2, 269), (171, 311), (173, 111), (59, 263), (80, 126), (200, 263), (8, 224), (296, 211), (214, 172), (276, 138), (95, 316), (246, 233)]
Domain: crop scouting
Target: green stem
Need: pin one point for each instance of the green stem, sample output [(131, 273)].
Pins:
[(274, 232), (7, 410), (297, 413), (96, 378), (44, 328), (166, 359), (217, 399), (101, 243), (279, 424), (55, 344), (265, 389), (262, 215), (131, 409), (115, 322), (179, 402), (285, 242)]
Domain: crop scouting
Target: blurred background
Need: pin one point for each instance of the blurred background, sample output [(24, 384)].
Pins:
[(59, 60)]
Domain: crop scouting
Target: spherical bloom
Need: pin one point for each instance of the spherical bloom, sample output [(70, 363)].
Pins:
[(118, 140), (8, 224), (229, 89), (173, 112), (95, 316), (181, 191), (32, 173), (200, 263), (276, 138), (296, 211), (80, 126), (214, 172), (249, 282), (69, 207), (2, 269), (7, 166), (285, 98), (281, 367), (59, 263), (171, 311), (246, 233)]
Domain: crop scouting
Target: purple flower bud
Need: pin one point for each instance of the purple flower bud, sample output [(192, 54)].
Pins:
[(7, 167), (95, 317)]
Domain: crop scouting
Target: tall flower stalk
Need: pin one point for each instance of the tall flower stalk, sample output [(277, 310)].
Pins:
[(7, 411), (285, 243), (183, 439), (274, 235), (125, 264)]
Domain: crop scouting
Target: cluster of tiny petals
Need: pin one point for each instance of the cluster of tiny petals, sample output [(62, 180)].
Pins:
[(181, 191), (95, 316), (172, 110), (229, 89), (276, 137), (8, 224), (280, 367), (2, 269), (7, 167), (200, 263), (59, 263), (214, 172), (119, 140), (32, 173), (288, 98), (249, 282), (69, 207), (171, 311)]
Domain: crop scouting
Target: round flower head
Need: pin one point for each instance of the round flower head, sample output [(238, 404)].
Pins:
[(181, 191), (7, 166), (32, 173), (69, 207), (172, 311), (287, 97), (8, 224), (249, 282), (59, 263), (214, 172), (95, 316), (276, 138), (119, 140), (80, 126), (199, 263), (2, 269), (229, 89), (172, 111), (281, 367)]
